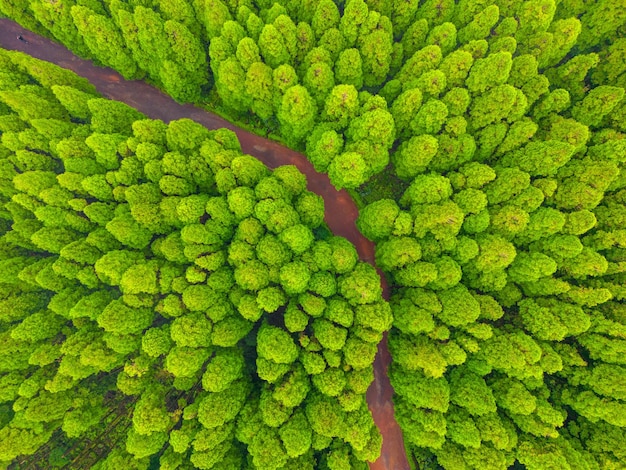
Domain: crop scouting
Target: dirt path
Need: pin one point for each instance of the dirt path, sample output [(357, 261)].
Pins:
[(341, 212)]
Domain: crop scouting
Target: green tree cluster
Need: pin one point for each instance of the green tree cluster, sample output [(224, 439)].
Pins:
[(504, 123), (300, 68), (505, 250), (348, 80), (156, 280), (306, 69)]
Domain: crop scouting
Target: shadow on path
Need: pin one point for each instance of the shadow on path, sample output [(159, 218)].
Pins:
[(340, 213)]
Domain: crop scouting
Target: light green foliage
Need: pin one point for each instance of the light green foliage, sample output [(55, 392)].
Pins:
[(223, 369), (489, 72), (221, 407), (349, 68), (145, 278), (276, 345), (414, 155), (150, 415), (348, 170), (185, 361), (526, 205), (598, 103), (192, 330), (121, 319), (103, 40), (361, 286), (296, 435), (376, 221), (458, 307), (297, 113), (156, 341), (499, 225), (397, 252), (298, 238), (295, 277)]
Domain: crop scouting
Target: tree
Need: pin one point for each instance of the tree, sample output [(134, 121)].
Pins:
[(319, 80), (184, 361), (361, 286), (297, 113), (325, 416), (458, 306), (348, 170), (349, 68), (259, 86), (225, 367), (294, 277), (119, 318), (31, 106), (230, 82), (247, 52), (310, 208), (355, 14), (600, 21), (374, 125), (414, 155), (611, 70), (272, 46), (150, 415), (276, 345), (156, 341), (571, 74), (397, 252), (323, 145), (189, 53), (74, 100), (598, 103), (375, 48), (341, 105), (376, 220), (216, 15), (480, 27), (296, 435), (267, 449), (127, 231), (204, 261), (193, 330), (111, 117), (140, 278), (104, 40), (498, 103)]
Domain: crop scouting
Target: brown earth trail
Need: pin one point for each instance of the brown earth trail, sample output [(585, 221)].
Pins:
[(341, 211)]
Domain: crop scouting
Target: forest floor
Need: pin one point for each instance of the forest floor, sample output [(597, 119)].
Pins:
[(341, 211)]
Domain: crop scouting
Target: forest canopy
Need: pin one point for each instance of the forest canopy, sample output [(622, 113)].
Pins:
[(346, 80), (487, 142), (166, 300)]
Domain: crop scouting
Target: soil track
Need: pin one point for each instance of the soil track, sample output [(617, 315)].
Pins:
[(341, 211)]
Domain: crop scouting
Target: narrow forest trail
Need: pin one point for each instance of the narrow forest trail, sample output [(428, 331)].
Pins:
[(341, 211)]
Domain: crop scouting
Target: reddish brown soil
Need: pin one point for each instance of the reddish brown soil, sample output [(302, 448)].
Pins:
[(341, 211)]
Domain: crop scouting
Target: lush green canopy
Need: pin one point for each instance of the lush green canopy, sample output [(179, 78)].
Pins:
[(166, 299), (486, 141)]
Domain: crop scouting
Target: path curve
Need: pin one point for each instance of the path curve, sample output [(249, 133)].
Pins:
[(340, 210)]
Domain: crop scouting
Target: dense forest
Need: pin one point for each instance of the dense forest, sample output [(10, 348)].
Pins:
[(486, 142), (164, 295)]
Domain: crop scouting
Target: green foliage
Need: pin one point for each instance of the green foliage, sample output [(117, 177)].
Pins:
[(141, 299), (504, 119)]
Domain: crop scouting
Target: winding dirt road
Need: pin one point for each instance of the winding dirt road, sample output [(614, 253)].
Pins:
[(341, 211)]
